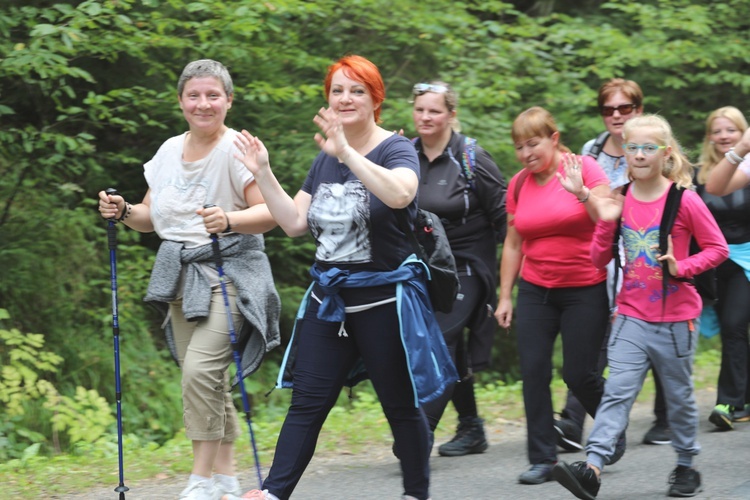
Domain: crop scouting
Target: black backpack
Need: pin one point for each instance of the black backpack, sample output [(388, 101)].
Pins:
[(430, 244), (704, 283)]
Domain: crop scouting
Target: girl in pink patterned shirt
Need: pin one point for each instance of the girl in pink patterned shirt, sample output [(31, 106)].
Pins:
[(647, 330)]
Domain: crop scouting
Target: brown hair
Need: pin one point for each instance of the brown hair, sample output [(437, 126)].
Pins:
[(535, 122), (628, 87)]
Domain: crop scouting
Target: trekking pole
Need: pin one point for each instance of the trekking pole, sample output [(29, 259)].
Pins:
[(112, 238), (235, 347)]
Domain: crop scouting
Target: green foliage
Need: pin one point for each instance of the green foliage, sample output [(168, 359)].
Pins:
[(87, 95)]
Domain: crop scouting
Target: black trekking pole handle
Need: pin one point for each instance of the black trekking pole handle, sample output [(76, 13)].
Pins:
[(112, 240), (235, 346)]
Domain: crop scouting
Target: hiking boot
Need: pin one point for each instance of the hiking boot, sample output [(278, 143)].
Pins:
[(569, 434), (538, 474), (578, 478), (741, 415), (619, 450), (721, 417), (684, 482), (658, 434), (469, 438), (199, 490)]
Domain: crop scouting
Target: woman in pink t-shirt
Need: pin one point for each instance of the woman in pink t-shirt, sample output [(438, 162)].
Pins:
[(548, 243)]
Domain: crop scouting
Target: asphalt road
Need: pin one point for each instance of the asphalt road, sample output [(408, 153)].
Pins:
[(641, 474)]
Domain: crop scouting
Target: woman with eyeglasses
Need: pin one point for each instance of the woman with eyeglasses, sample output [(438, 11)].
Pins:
[(462, 185), (368, 303), (619, 100), (724, 129), (548, 245)]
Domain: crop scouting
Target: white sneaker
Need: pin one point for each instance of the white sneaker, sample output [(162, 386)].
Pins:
[(200, 490), (226, 485)]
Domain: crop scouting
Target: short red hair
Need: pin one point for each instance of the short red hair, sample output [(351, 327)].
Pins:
[(364, 71)]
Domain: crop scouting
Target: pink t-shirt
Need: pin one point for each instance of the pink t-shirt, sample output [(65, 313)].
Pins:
[(556, 230), (641, 293)]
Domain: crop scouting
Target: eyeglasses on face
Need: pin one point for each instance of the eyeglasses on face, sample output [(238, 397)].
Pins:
[(421, 88), (648, 149), (623, 109)]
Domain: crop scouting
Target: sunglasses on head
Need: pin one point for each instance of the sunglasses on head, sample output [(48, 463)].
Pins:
[(422, 88), (623, 109)]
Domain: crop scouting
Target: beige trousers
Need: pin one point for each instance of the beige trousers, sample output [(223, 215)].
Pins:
[(204, 351)]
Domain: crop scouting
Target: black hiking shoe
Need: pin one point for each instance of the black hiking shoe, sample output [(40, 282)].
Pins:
[(578, 478), (658, 434), (469, 438), (569, 433), (684, 482)]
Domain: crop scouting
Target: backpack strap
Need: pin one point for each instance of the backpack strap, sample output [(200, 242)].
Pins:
[(596, 148), (671, 207), (469, 161)]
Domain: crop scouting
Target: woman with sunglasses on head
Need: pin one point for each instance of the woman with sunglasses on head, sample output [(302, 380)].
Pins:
[(547, 245), (368, 301), (619, 100), (724, 129), (462, 185)]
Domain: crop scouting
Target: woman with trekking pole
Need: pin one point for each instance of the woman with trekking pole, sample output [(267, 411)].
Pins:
[(191, 170), (368, 298)]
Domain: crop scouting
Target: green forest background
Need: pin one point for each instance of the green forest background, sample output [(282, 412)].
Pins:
[(87, 95)]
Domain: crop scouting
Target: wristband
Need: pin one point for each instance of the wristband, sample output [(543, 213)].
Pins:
[(125, 212), (733, 157), (585, 198), (227, 229)]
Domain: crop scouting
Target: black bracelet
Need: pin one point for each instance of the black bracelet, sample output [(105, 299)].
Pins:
[(227, 229), (125, 212)]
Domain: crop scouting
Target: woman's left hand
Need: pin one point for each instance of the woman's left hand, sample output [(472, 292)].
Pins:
[(333, 141), (214, 219), (572, 181)]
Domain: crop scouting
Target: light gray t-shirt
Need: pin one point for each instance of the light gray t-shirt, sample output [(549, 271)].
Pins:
[(179, 188)]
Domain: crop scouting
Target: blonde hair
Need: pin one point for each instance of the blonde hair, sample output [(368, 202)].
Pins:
[(677, 168), (536, 122), (709, 158)]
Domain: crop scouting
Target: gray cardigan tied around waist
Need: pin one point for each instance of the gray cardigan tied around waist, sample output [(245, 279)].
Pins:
[(246, 265)]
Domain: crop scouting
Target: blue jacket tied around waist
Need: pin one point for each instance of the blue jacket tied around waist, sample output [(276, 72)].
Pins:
[(429, 363)]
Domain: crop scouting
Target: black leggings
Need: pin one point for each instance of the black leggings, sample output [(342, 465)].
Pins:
[(733, 309), (324, 359), (580, 315), (452, 325)]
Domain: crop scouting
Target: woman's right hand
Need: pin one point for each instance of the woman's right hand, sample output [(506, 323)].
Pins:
[(504, 313), (110, 206), (742, 148), (253, 153)]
